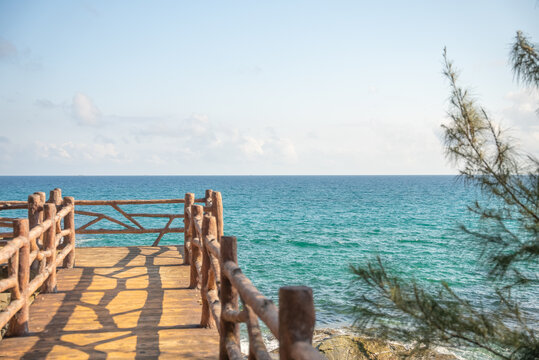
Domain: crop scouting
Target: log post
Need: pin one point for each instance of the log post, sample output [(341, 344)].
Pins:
[(39, 241), (42, 201), (208, 281), (189, 200), (217, 211), (55, 198), (49, 243), (13, 269), (35, 217), (209, 200), (35, 210), (42, 196), (230, 331), (18, 325), (69, 240), (212, 233), (196, 254), (296, 318)]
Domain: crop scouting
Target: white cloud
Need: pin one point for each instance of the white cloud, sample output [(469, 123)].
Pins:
[(270, 148), (523, 108), (195, 125), (201, 139), (251, 146), (71, 151), (523, 119), (84, 110)]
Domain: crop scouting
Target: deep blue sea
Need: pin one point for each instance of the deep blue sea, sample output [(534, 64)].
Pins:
[(308, 230)]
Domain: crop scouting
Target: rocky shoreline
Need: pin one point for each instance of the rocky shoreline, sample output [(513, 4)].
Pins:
[(345, 345)]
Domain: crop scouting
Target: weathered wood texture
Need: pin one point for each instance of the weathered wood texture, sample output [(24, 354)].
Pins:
[(69, 224), (196, 254), (189, 200), (23, 249), (139, 291), (132, 226), (120, 302), (292, 323), (49, 244), (296, 323), (229, 331), (128, 226), (19, 323)]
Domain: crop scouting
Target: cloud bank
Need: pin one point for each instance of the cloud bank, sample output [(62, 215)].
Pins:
[(84, 110)]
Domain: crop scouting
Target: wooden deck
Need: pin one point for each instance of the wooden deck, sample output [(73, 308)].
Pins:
[(118, 303)]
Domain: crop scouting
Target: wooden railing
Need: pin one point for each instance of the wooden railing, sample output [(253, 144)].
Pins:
[(132, 226), (215, 270), (25, 249), (128, 223), (7, 222), (212, 258)]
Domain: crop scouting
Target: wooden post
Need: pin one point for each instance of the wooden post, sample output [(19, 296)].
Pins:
[(42, 196), (35, 207), (69, 224), (208, 281), (296, 318), (196, 254), (209, 196), (35, 217), (42, 201), (18, 325), (209, 200), (55, 198), (189, 200), (49, 243), (38, 266), (212, 233), (217, 211), (13, 269), (230, 331)]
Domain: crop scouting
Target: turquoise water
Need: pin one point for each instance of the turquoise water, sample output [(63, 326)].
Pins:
[(309, 229)]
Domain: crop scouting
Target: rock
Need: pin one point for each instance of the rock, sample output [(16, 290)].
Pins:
[(350, 347), (344, 347)]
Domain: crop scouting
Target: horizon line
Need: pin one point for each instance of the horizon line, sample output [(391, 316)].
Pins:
[(221, 175)]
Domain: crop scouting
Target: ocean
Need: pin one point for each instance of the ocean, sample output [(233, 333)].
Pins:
[(309, 230)]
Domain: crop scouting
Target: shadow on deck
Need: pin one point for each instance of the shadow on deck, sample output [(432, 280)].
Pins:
[(118, 302)]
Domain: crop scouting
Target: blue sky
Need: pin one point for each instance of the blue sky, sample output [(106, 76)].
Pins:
[(243, 87)]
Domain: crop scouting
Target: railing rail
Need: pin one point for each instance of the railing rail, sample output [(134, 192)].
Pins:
[(24, 249), (212, 258), (215, 271), (129, 223)]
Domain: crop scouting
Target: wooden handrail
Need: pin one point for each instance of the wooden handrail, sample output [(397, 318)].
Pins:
[(132, 202), (22, 250), (213, 256), (130, 231), (130, 224)]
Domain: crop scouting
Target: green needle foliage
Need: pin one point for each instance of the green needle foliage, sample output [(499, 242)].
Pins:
[(508, 230), (525, 60)]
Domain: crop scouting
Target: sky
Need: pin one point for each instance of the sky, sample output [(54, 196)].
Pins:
[(250, 87)]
